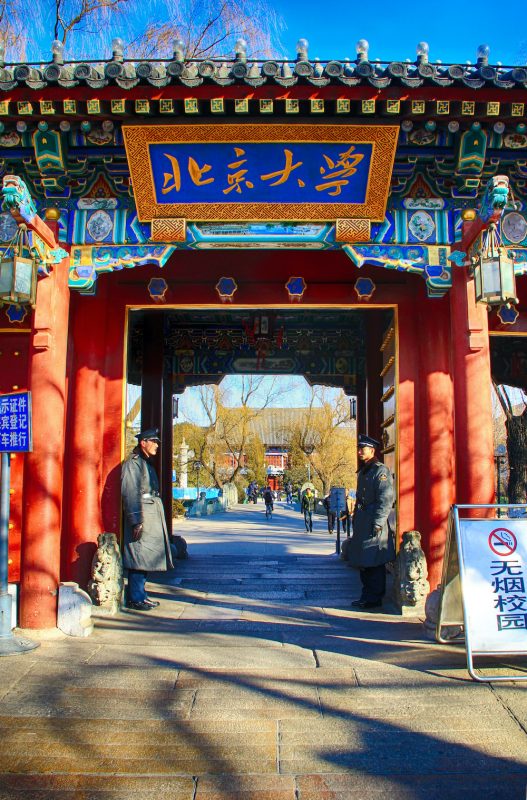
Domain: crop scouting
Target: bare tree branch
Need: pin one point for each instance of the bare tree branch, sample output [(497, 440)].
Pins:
[(207, 30), (13, 30), (325, 439), (504, 399)]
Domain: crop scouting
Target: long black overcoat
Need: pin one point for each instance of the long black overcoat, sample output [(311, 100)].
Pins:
[(369, 548), (152, 551)]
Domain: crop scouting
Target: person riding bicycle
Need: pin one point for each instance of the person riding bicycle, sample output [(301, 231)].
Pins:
[(268, 498)]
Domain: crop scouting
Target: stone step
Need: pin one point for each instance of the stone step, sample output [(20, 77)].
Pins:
[(204, 585), (248, 565), (278, 577)]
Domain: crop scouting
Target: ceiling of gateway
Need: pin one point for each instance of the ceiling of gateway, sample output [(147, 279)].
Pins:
[(202, 346)]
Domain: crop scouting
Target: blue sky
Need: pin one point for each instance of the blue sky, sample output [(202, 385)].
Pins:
[(453, 30)]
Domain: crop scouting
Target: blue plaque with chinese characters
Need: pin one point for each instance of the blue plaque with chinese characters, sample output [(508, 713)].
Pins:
[(15, 423), (260, 173), (269, 173)]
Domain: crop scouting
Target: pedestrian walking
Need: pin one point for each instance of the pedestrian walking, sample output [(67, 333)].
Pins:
[(308, 506), (347, 513), (146, 543), (372, 545), (331, 515)]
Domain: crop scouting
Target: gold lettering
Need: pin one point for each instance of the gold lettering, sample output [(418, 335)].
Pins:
[(172, 180), (196, 173), (343, 168), (237, 179), (283, 174)]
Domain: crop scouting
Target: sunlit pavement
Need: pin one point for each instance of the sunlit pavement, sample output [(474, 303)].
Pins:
[(254, 679), (246, 531)]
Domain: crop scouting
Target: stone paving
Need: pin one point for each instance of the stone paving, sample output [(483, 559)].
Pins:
[(254, 680)]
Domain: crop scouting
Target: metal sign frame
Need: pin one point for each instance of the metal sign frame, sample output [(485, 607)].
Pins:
[(381, 141), (27, 447), (452, 602)]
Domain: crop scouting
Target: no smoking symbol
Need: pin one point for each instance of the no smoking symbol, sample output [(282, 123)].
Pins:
[(502, 542)]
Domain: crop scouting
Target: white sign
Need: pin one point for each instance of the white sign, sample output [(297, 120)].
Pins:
[(493, 566)]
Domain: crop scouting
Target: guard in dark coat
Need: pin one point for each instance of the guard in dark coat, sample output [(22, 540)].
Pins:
[(372, 544), (146, 543)]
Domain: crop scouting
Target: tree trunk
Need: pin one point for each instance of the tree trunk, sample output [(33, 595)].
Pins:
[(517, 452)]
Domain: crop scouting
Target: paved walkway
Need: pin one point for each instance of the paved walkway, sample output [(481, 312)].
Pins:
[(255, 680)]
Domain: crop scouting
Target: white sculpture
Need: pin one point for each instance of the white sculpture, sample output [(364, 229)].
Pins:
[(106, 585), (74, 611), (410, 584)]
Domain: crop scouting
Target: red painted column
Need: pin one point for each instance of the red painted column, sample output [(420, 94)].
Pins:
[(113, 432), (472, 392), (435, 489), (85, 434), (407, 423), (43, 473)]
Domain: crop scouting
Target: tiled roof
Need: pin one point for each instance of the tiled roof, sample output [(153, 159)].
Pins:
[(273, 426), (177, 72)]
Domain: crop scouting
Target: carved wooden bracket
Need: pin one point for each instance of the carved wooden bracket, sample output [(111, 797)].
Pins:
[(169, 230), (352, 230)]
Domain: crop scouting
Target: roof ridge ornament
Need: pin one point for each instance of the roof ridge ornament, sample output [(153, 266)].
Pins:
[(57, 50), (423, 49), (362, 48), (117, 49), (301, 50)]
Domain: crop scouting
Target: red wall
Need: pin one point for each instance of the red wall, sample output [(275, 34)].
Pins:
[(97, 363), (428, 444)]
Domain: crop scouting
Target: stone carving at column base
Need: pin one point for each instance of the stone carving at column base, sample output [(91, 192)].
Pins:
[(106, 585), (344, 547), (74, 610), (410, 584), (178, 545), (430, 623)]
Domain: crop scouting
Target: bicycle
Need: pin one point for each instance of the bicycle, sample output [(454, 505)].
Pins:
[(268, 511)]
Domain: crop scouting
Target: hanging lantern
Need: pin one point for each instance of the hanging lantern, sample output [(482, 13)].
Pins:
[(18, 274), (494, 279)]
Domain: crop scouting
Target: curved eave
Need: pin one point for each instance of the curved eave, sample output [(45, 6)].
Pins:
[(161, 74)]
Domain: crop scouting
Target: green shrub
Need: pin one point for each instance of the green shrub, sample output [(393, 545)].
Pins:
[(178, 509)]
